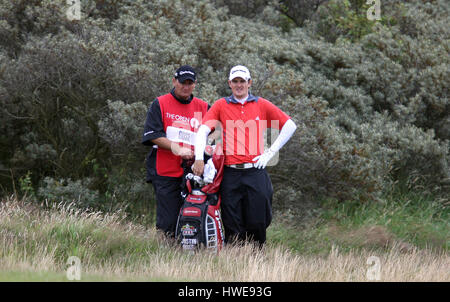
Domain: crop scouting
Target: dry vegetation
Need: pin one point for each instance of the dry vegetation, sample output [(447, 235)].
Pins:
[(36, 240), (370, 100)]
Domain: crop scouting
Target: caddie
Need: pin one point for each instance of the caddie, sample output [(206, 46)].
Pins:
[(169, 129)]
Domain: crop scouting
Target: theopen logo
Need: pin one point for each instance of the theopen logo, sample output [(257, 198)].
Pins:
[(195, 123)]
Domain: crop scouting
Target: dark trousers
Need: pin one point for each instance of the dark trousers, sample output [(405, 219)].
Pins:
[(168, 196), (246, 204), (168, 203)]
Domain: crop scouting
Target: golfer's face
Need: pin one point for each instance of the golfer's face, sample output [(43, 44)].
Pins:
[(183, 90), (239, 87)]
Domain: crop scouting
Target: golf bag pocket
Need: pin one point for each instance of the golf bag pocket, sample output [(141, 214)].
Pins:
[(199, 224)]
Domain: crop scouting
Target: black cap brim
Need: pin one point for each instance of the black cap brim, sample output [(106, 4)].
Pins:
[(183, 78)]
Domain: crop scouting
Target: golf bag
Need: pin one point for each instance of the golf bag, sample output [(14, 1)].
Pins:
[(199, 222)]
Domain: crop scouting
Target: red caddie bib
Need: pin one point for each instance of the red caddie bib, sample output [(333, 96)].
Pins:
[(181, 121)]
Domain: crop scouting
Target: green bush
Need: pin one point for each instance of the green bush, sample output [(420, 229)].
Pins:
[(370, 98), (67, 191)]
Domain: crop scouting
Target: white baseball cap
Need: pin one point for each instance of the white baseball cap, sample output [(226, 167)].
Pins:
[(239, 71)]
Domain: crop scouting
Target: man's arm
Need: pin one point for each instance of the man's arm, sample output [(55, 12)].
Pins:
[(210, 121), (153, 127), (165, 143), (154, 133), (285, 134), (200, 144)]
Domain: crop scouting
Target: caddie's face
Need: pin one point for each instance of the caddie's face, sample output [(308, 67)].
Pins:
[(240, 87), (183, 90)]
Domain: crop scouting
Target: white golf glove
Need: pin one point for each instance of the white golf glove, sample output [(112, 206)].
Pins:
[(195, 178), (209, 172), (263, 159), (286, 132)]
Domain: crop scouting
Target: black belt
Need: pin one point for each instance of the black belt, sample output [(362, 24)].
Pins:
[(242, 166)]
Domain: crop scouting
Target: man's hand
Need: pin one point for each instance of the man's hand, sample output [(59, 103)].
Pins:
[(198, 167), (263, 159), (164, 143), (184, 153)]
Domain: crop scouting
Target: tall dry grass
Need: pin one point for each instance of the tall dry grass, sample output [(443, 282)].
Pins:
[(37, 239), (274, 264)]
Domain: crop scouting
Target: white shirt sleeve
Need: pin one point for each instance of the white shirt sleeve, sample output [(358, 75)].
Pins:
[(285, 134), (200, 141)]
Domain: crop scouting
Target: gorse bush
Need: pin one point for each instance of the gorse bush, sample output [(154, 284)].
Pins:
[(67, 190), (370, 97)]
